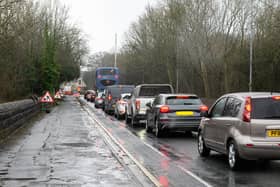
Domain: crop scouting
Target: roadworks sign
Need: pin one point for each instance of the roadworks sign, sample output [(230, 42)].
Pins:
[(57, 95), (47, 98)]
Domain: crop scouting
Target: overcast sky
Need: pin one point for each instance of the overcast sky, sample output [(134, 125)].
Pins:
[(101, 19)]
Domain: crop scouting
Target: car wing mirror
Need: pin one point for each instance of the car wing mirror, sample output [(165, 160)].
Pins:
[(205, 114), (149, 105)]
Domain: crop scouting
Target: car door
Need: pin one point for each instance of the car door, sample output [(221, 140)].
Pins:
[(211, 123), (225, 123)]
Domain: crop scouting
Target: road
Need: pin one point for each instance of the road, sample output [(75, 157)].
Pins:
[(78, 145)]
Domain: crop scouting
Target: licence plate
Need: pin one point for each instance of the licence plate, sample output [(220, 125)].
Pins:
[(273, 133), (184, 113)]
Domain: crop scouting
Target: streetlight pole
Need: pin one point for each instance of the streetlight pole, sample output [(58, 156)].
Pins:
[(251, 46), (116, 42)]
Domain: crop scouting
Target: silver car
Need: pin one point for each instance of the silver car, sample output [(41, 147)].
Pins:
[(244, 126)]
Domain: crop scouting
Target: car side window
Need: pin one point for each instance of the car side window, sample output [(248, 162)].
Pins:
[(232, 107), (218, 109)]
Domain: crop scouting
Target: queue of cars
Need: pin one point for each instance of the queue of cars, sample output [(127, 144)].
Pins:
[(243, 126)]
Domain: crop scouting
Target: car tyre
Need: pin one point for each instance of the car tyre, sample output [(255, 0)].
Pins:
[(234, 160), (118, 116), (127, 120), (202, 149), (133, 121), (147, 127), (158, 131)]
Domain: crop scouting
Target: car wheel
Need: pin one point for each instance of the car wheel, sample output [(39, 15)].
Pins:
[(233, 156), (158, 131), (133, 121), (147, 127), (127, 120), (202, 149), (118, 116)]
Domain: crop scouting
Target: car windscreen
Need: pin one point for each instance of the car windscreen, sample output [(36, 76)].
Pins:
[(179, 100), (117, 91), (265, 108), (154, 90)]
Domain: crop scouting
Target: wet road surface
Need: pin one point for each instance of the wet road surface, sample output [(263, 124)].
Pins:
[(174, 160), (67, 148), (63, 148)]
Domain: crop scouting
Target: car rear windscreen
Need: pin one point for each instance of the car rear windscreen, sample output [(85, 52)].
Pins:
[(265, 108), (117, 91), (107, 72), (183, 101), (152, 91)]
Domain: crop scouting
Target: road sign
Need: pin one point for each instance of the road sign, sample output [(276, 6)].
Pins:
[(47, 98), (57, 95)]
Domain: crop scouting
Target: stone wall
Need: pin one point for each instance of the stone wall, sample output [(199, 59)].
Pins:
[(14, 114)]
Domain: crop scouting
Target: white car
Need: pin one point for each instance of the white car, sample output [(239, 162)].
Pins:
[(121, 104)]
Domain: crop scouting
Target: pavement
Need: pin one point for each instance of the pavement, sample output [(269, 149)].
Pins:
[(62, 148)]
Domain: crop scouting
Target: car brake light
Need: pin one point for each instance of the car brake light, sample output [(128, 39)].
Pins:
[(182, 97), (247, 110), (203, 108), (110, 97), (276, 97), (137, 104), (164, 109)]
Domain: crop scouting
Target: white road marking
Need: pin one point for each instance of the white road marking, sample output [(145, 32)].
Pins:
[(195, 176)]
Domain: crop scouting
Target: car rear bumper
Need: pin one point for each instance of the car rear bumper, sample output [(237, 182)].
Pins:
[(255, 151), (140, 116), (180, 125)]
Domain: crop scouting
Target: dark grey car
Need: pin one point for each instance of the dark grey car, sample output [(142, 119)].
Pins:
[(112, 94), (176, 112), (243, 126)]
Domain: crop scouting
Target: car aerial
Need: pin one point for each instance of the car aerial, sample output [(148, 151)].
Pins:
[(142, 94), (174, 112), (99, 100), (121, 105), (244, 126), (112, 94)]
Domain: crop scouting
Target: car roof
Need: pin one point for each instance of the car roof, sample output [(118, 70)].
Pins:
[(140, 85), (181, 94), (120, 86), (252, 94)]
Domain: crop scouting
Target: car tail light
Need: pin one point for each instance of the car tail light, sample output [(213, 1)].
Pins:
[(164, 109), (247, 110), (276, 97), (116, 76), (182, 97), (203, 108), (137, 104), (250, 145), (110, 97), (99, 76)]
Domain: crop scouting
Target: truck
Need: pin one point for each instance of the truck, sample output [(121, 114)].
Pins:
[(141, 95)]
